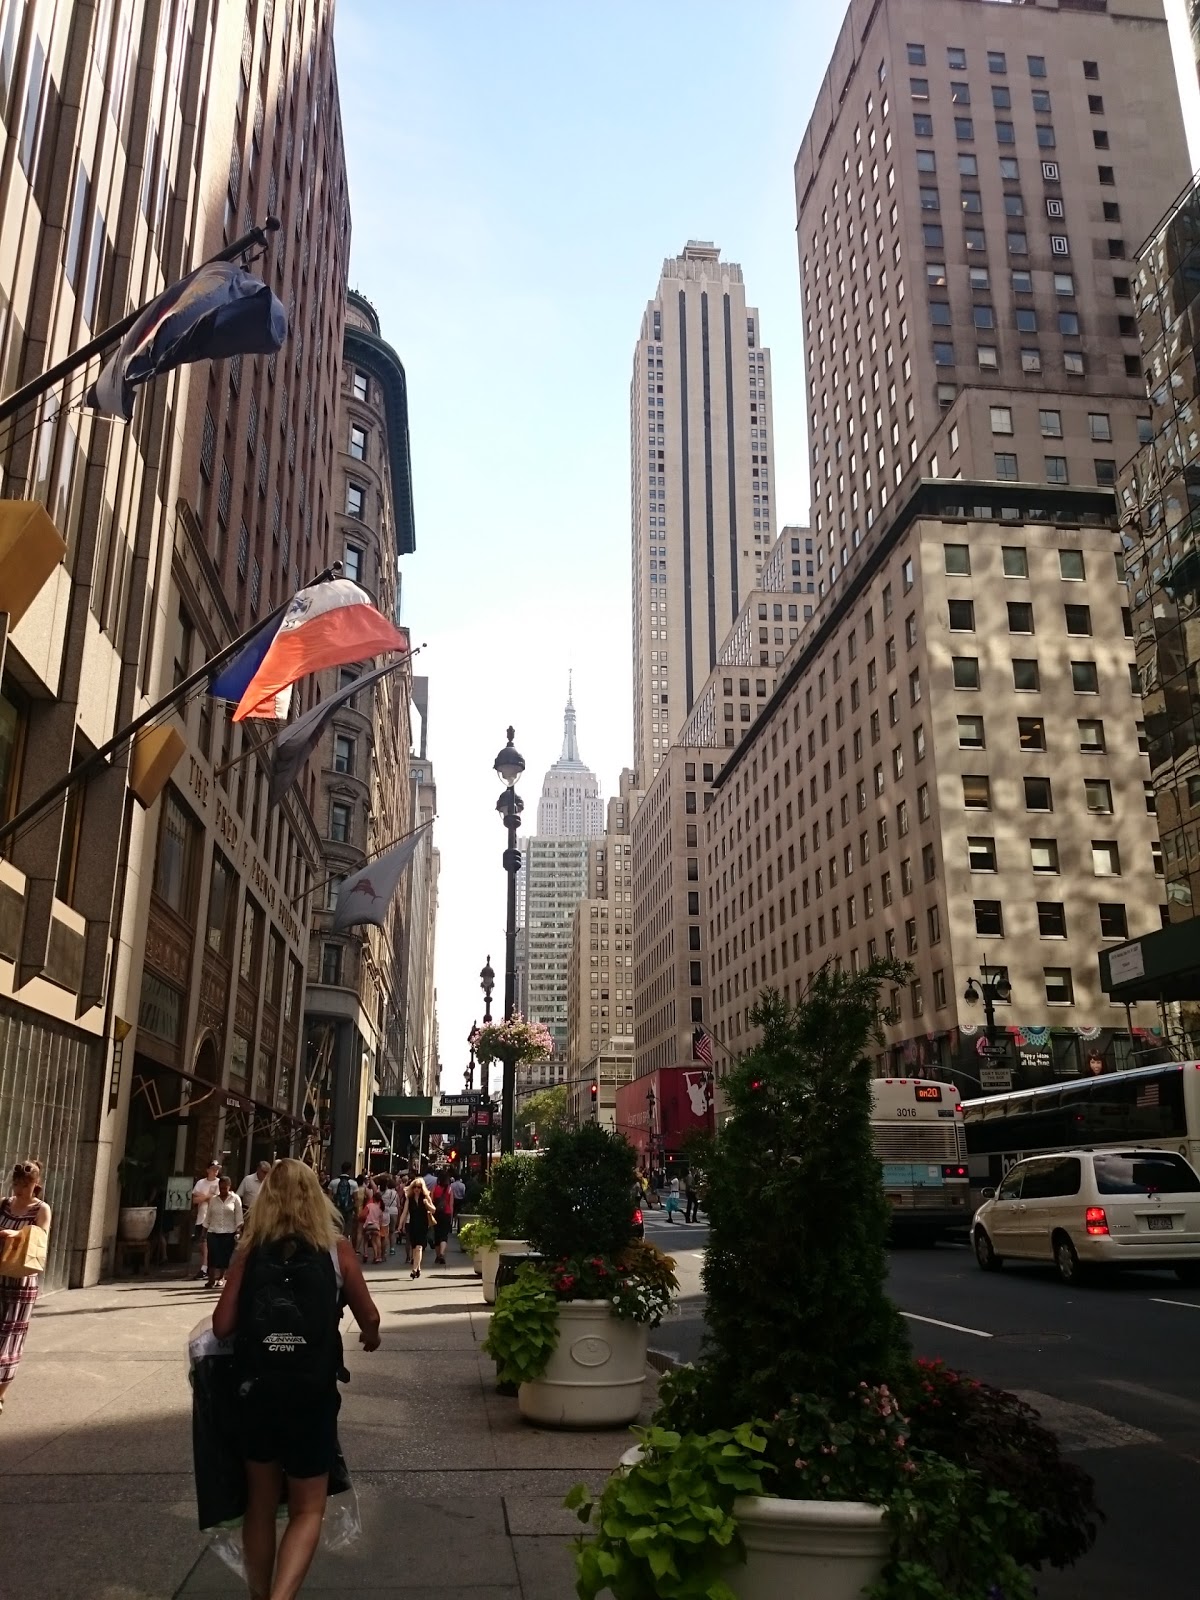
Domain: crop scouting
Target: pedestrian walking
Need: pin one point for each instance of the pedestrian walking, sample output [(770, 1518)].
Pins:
[(459, 1190), (282, 1306), (202, 1192), (672, 1199), (247, 1190), (223, 1224), (22, 1209), (343, 1189), (692, 1196), (417, 1219), (372, 1229), (391, 1212), (443, 1207)]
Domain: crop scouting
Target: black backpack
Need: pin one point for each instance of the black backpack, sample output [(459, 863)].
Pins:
[(288, 1313), (344, 1199)]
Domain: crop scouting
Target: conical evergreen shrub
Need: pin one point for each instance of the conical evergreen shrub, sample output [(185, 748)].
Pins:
[(796, 1265)]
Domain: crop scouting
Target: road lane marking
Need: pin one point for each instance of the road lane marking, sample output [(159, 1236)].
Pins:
[(1190, 1304), (1082, 1427), (1163, 1398), (955, 1327)]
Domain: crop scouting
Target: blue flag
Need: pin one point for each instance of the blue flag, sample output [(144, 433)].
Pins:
[(215, 312), (231, 682)]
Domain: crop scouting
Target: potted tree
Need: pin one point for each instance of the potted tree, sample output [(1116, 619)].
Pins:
[(805, 1454), (571, 1331), (499, 1229), (135, 1173)]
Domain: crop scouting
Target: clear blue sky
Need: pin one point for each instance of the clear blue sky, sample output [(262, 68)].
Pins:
[(518, 171)]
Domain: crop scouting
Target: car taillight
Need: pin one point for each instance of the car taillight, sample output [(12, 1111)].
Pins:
[(954, 1172), (1097, 1222), (637, 1219)]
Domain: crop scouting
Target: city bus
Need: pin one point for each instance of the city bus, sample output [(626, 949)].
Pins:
[(1148, 1106), (917, 1130)]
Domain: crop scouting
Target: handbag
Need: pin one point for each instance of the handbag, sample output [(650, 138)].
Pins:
[(24, 1253)]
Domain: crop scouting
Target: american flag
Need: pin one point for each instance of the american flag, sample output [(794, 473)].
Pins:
[(1147, 1095), (702, 1047)]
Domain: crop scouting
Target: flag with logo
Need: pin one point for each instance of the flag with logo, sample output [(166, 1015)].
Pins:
[(218, 311), (367, 894)]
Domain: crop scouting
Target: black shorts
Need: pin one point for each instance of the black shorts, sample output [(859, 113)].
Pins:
[(220, 1249), (300, 1436), (441, 1229)]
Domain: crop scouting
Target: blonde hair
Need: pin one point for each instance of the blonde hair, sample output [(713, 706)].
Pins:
[(417, 1189), (292, 1200)]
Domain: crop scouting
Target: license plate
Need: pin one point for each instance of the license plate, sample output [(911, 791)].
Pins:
[(1160, 1224)]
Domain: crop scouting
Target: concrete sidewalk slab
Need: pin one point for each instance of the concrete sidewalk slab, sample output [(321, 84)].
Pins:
[(453, 1487)]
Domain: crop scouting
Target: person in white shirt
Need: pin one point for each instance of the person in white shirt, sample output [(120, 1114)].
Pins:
[(459, 1190), (202, 1191), (250, 1185), (223, 1224)]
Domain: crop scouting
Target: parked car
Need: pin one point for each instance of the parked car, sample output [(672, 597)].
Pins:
[(1083, 1208)]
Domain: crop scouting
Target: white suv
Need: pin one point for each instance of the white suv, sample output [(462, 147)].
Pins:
[(1122, 1208)]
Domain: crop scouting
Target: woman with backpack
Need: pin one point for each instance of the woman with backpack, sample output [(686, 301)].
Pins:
[(281, 1306), (443, 1210), (416, 1219)]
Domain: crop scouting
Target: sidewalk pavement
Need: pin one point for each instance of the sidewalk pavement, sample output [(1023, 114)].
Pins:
[(457, 1493)]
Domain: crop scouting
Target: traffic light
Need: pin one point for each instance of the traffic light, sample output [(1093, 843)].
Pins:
[(595, 1092)]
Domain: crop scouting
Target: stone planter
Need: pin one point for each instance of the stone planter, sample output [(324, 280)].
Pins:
[(595, 1376), (821, 1549), (136, 1223), (490, 1262), (815, 1549)]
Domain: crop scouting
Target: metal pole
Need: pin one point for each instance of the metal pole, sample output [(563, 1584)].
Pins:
[(512, 861), (85, 769), (112, 335)]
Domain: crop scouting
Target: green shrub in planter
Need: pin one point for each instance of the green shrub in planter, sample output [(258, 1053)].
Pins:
[(523, 1330), (502, 1203), (577, 1203), (805, 1349), (477, 1235)]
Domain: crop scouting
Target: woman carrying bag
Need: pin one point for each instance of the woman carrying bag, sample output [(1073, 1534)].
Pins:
[(281, 1306), (24, 1229), (417, 1219)]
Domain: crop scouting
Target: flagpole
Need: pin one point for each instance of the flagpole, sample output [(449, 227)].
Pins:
[(280, 728), (374, 856), (114, 334), (93, 763)]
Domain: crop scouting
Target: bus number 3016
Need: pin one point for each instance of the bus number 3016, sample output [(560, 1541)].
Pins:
[(906, 1111)]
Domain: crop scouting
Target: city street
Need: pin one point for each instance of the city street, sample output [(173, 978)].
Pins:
[(1111, 1367)]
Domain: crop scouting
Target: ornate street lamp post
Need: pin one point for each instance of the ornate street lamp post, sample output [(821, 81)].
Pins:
[(509, 766), (992, 985)]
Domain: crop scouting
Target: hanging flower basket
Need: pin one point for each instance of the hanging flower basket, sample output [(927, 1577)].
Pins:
[(514, 1039)]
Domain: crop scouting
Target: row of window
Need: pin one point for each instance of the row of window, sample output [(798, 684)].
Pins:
[(1078, 618), (997, 62), (988, 359), (1024, 318), (1031, 735)]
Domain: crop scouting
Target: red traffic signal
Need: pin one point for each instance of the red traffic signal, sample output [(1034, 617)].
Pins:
[(595, 1090)]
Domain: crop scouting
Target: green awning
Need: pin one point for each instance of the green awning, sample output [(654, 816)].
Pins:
[(1163, 965)]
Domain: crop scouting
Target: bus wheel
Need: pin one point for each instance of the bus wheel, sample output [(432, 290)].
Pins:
[(984, 1254), (1066, 1259)]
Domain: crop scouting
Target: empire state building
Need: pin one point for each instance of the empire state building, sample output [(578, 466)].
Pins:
[(571, 806)]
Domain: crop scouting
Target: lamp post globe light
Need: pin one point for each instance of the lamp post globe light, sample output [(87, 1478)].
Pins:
[(992, 986), (509, 766)]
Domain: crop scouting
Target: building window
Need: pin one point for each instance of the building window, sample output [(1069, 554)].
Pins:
[(1002, 421), (343, 753), (958, 559), (1020, 616), (943, 355), (361, 386), (1031, 733), (1052, 919), (356, 500), (966, 672), (1091, 736), (358, 442), (981, 853), (1079, 619), (1056, 469), (989, 919), (1037, 795), (1097, 795), (222, 901), (352, 563), (1113, 922), (977, 791), (1026, 676), (962, 616), (1084, 678), (1106, 858), (970, 733), (331, 964), (1051, 424), (1059, 988), (175, 862), (1015, 561), (1043, 855), (339, 822), (1006, 466)]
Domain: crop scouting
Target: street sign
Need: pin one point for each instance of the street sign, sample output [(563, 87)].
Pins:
[(995, 1051), (992, 1078), (461, 1099)]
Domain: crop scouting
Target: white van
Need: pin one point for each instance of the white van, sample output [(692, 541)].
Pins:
[(1081, 1208)]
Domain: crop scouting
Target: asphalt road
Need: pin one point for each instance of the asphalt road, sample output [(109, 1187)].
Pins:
[(1113, 1367)]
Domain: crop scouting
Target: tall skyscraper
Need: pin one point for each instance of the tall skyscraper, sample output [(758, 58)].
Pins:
[(970, 191), (700, 430), (571, 805)]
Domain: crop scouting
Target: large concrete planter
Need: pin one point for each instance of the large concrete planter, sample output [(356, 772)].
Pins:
[(595, 1376), (135, 1223), (490, 1261), (820, 1549)]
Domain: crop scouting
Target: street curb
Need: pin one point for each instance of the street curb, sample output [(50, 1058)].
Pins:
[(664, 1360)]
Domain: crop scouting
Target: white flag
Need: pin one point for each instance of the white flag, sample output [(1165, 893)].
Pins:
[(366, 894)]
